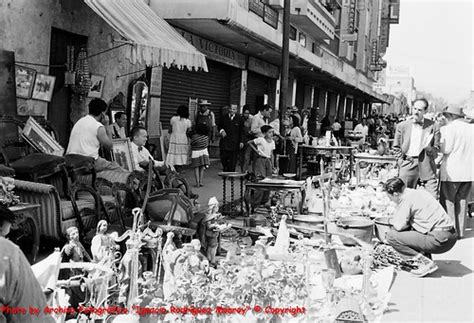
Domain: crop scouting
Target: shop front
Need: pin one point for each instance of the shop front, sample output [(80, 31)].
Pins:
[(261, 84), (220, 85)]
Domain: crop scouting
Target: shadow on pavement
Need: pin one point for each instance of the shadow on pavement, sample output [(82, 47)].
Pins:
[(450, 268)]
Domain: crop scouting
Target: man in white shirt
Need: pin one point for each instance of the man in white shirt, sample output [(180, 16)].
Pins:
[(417, 144), (89, 133), (117, 129), (457, 174), (362, 129), (260, 119), (140, 154)]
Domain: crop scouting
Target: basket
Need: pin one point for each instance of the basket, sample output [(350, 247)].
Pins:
[(360, 227), (381, 228)]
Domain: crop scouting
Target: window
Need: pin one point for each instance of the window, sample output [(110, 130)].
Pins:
[(292, 33), (302, 40)]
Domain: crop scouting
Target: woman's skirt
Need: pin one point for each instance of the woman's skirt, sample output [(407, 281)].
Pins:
[(200, 158)]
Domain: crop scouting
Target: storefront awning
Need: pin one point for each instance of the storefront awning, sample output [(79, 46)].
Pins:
[(155, 42)]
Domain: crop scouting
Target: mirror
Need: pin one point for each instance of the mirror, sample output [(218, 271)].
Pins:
[(138, 104)]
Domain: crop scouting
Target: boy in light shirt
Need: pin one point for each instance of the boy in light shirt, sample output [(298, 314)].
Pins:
[(263, 146)]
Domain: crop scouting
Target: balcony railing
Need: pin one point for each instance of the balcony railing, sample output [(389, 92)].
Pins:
[(268, 14)]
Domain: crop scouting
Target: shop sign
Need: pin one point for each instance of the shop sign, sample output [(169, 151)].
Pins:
[(375, 54), (394, 11), (215, 51), (384, 34), (261, 67), (352, 16)]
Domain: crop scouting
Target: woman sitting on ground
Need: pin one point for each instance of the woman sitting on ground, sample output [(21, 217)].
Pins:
[(419, 226)]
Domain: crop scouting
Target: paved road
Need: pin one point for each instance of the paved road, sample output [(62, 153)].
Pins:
[(445, 296)]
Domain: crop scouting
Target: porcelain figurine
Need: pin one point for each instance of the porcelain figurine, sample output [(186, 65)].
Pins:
[(211, 232), (103, 245), (73, 250)]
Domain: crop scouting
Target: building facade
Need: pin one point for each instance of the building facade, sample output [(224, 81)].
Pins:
[(335, 55)]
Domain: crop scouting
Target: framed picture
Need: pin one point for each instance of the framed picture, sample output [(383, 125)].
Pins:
[(24, 80), (122, 153), (44, 86), (40, 139), (97, 85)]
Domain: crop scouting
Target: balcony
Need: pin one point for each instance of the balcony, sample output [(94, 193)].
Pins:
[(313, 18)]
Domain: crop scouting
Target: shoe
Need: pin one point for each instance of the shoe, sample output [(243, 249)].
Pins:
[(425, 269)]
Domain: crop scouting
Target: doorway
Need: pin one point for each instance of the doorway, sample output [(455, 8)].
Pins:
[(59, 109)]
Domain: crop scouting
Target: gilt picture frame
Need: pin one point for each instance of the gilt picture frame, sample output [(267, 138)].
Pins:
[(40, 139)]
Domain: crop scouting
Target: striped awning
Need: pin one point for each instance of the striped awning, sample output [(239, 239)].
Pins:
[(154, 41)]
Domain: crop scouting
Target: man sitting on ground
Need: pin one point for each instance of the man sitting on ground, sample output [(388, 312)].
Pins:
[(140, 154), (89, 133)]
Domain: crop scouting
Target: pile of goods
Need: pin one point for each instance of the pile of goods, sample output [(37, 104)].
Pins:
[(363, 201), (7, 196), (373, 174)]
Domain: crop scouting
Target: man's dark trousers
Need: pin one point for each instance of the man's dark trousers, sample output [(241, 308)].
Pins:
[(229, 159)]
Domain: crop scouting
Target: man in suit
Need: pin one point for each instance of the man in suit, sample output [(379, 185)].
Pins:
[(417, 141), (231, 129)]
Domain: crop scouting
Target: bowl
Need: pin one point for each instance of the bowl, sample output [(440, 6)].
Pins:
[(382, 227), (360, 227), (289, 175)]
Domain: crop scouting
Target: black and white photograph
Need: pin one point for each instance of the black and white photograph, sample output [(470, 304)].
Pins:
[(237, 161), (44, 87), (97, 86), (24, 80)]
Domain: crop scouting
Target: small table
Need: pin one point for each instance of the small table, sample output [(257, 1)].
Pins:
[(25, 232), (333, 149), (280, 185), (372, 159), (232, 176)]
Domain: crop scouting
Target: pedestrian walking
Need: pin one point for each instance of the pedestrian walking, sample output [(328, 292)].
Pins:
[(200, 153), (178, 152), (456, 173), (231, 130)]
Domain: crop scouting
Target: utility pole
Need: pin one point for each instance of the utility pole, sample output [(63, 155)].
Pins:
[(285, 61)]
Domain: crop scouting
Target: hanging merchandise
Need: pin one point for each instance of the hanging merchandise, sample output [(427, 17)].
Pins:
[(83, 79), (69, 75)]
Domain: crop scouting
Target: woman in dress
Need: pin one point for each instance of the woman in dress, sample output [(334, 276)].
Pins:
[(294, 139), (178, 152), (200, 154)]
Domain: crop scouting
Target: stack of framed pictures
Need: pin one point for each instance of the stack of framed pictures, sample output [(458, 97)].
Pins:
[(40, 139)]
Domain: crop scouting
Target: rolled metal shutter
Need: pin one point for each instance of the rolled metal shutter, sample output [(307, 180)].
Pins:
[(179, 85), (257, 86)]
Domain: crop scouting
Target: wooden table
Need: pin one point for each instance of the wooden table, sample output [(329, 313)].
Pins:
[(231, 176), (372, 159), (25, 231), (280, 185), (333, 149)]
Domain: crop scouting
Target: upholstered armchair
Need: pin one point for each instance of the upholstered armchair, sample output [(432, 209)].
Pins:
[(56, 214)]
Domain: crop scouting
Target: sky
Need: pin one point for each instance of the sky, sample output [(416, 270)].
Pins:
[(435, 38)]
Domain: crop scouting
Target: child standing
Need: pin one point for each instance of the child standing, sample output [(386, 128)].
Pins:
[(264, 147), (200, 154)]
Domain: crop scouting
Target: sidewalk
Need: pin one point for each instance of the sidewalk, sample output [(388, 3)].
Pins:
[(445, 296)]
